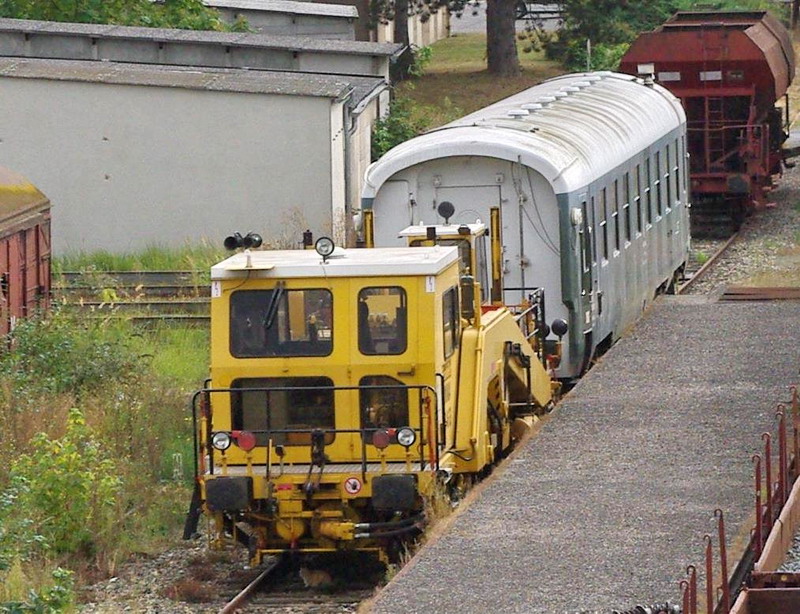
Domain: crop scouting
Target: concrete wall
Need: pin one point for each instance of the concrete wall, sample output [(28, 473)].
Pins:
[(420, 33), (130, 165), (320, 26)]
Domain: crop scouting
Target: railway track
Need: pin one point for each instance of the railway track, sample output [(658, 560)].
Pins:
[(278, 586), (704, 255), (144, 297)]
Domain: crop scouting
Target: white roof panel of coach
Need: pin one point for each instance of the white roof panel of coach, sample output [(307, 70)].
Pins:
[(571, 129)]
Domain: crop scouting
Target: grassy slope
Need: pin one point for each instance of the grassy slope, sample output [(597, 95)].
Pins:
[(456, 81)]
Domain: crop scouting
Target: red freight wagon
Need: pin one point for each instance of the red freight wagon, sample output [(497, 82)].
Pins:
[(728, 69), (24, 249)]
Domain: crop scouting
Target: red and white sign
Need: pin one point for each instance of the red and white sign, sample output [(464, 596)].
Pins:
[(352, 486)]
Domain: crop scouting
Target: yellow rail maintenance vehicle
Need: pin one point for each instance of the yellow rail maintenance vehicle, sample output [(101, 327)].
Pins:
[(345, 385)]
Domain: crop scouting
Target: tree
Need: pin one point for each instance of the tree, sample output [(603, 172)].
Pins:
[(501, 38), (188, 14), (611, 25)]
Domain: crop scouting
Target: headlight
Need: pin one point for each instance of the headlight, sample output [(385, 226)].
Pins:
[(221, 440), (324, 246), (406, 436)]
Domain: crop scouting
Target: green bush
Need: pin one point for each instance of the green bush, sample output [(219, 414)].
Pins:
[(397, 127), (69, 488), (55, 598), (60, 354)]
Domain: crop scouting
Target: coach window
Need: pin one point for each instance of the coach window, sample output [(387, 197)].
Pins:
[(382, 321), (280, 322), (684, 164), (626, 207), (450, 320), (668, 178), (585, 241), (615, 212), (648, 201), (637, 185), (676, 175), (604, 222), (658, 184)]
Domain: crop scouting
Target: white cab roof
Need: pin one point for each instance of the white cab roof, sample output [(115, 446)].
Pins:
[(441, 229), (572, 129), (383, 261)]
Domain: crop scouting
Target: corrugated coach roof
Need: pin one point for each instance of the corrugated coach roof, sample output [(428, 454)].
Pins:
[(212, 79), (287, 6), (571, 129)]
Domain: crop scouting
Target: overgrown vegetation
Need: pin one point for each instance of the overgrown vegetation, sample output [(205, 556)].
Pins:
[(451, 81), (189, 257), (96, 450), (611, 26), (187, 14)]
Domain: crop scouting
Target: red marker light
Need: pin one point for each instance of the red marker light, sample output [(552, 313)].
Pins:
[(381, 439), (245, 440)]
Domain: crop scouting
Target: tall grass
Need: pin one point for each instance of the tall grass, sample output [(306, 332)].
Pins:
[(96, 455), (197, 256)]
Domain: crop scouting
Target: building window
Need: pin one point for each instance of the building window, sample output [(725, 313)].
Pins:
[(280, 322), (382, 320)]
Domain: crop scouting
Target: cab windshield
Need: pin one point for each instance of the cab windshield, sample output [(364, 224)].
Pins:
[(280, 322)]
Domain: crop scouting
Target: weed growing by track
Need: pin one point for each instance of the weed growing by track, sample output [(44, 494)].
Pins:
[(96, 455)]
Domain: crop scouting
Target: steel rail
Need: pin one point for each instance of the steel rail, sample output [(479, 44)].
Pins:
[(707, 264), (244, 595)]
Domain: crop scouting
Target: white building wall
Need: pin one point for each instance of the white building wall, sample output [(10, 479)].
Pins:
[(128, 166), (421, 34), (319, 26)]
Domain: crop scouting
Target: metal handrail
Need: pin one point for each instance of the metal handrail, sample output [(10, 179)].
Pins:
[(424, 392)]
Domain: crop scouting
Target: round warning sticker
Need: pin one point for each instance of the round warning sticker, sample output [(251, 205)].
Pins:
[(352, 486)]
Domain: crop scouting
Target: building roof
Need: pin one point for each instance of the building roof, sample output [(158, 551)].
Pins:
[(357, 89), (383, 261), (572, 129), (287, 6), (27, 28)]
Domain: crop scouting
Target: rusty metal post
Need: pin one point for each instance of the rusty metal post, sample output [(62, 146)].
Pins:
[(795, 432), (723, 562), (709, 575), (768, 474), (782, 454), (759, 510), (692, 571), (684, 585)]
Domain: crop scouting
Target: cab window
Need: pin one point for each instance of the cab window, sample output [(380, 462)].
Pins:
[(450, 320), (285, 404), (381, 404), (279, 322), (382, 320)]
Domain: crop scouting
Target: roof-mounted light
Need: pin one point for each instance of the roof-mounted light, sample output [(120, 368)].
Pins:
[(324, 247)]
